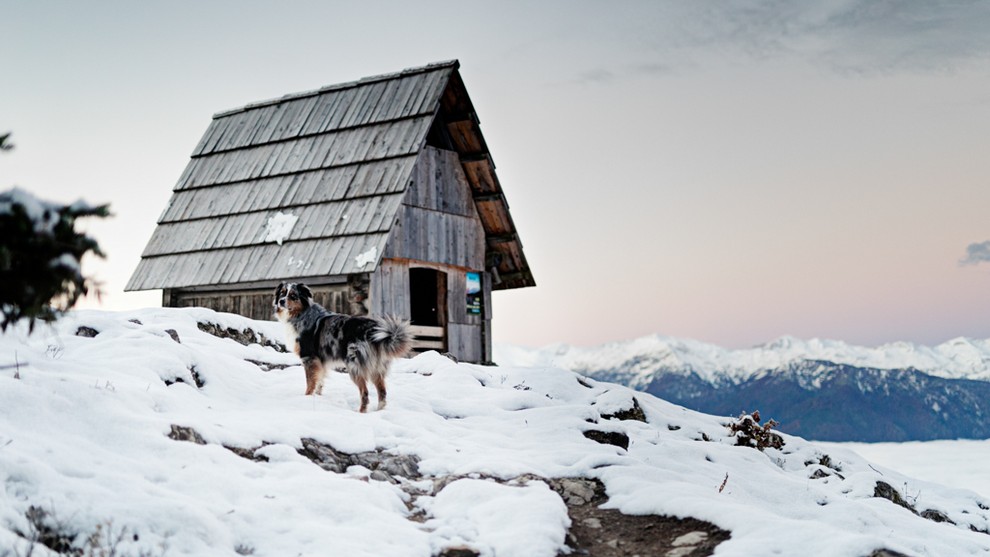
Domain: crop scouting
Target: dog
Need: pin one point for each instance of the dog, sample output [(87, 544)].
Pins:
[(362, 346)]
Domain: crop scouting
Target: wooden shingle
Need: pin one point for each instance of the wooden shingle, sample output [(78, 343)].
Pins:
[(340, 159)]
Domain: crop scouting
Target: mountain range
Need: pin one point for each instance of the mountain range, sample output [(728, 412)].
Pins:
[(819, 389)]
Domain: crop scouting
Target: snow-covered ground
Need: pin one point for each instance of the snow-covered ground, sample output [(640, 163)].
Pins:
[(962, 463), (84, 435)]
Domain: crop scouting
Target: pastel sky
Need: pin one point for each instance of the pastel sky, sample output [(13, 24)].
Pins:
[(725, 171)]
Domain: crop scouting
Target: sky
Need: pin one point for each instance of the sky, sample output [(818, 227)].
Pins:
[(728, 172)]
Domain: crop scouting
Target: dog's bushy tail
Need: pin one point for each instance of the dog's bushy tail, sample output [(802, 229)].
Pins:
[(392, 336)]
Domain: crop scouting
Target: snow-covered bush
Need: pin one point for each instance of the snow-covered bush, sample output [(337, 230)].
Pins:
[(749, 433), (40, 253)]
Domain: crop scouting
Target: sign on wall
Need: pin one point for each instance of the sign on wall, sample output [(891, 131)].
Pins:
[(473, 293)]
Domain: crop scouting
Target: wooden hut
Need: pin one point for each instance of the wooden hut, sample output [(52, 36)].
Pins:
[(380, 193)]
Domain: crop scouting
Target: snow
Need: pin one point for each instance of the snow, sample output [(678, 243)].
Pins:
[(43, 215), (299, 264), (957, 358), (469, 510), (84, 434), (960, 463), (279, 227), (66, 261), (366, 258)]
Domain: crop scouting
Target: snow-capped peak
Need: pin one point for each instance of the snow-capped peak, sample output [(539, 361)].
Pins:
[(959, 358)]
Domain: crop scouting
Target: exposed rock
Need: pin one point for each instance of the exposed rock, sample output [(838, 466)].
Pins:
[(406, 466), (819, 474), (246, 337), (826, 461), (250, 454), (579, 491), (887, 553), (384, 466), (936, 516), (184, 433), (458, 552), (634, 413), (886, 491), (268, 366), (616, 438), (87, 332), (197, 378), (824, 467), (174, 334), (593, 523), (325, 456)]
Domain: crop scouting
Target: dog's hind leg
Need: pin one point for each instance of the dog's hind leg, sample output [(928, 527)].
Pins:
[(379, 380), (362, 385), (314, 376)]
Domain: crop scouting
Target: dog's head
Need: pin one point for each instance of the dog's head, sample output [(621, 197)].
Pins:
[(291, 299)]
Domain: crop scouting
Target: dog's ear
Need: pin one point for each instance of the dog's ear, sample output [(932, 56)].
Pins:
[(304, 291), (279, 289)]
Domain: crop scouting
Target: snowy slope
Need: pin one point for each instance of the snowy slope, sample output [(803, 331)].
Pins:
[(85, 424), (959, 463), (960, 358)]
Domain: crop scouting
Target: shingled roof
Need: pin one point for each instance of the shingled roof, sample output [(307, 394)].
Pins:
[(338, 158)]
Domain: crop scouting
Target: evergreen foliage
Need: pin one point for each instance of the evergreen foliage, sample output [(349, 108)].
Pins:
[(40, 255)]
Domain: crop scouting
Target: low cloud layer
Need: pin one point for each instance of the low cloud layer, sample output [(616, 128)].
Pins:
[(859, 35), (976, 254), (846, 36)]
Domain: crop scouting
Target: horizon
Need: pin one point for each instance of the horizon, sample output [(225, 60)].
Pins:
[(764, 344), (723, 174)]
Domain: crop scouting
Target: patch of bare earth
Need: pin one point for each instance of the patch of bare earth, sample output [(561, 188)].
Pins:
[(609, 533)]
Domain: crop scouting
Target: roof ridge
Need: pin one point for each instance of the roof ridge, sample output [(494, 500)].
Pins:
[(453, 64)]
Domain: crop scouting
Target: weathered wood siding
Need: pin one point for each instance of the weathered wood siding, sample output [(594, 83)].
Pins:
[(255, 304), (350, 297), (438, 221), (439, 228), (486, 315), (389, 292), (468, 336), (439, 184), (390, 295)]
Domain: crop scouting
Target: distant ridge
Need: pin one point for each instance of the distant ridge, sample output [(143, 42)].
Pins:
[(819, 389)]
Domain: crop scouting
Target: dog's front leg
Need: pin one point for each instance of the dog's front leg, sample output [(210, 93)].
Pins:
[(314, 375)]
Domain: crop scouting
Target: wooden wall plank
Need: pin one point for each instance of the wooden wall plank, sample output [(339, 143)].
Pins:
[(464, 342), (389, 289), (426, 235), (256, 304), (439, 184)]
